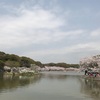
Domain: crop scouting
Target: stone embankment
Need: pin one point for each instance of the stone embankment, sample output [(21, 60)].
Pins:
[(19, 70)]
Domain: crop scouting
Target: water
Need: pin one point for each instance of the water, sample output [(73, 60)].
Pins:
[(49, 86)]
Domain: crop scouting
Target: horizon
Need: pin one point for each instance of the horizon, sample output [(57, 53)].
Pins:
[(50, 30)]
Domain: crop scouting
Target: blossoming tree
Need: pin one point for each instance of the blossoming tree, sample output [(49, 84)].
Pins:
[(90, 62)]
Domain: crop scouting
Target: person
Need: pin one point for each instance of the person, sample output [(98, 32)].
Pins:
[(86, 72)]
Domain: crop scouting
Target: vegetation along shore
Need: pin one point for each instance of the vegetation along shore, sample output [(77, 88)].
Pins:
[(14, 64)]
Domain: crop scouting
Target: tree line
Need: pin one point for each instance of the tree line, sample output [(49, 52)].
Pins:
[(13, 60), (62, 64)]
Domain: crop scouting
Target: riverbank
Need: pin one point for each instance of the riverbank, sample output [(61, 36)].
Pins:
[(56, 68), (15, 71), (34, 70)]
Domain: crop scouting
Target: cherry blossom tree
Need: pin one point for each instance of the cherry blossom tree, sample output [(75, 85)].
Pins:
[(90, 62)]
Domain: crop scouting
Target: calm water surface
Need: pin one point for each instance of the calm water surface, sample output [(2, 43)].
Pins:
[(49, 86)]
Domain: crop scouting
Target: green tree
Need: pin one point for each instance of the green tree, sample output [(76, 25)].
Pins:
[(38, 63), (1, 65), (26, 62), (12, 63)]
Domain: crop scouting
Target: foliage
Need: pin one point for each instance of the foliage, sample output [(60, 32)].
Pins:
[(12, 63), (13, 60), (25, 61), (92, 62), (39, 64), (1, 65), (62, 64)]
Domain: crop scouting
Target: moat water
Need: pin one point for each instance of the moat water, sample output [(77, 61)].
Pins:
[(49, 86)]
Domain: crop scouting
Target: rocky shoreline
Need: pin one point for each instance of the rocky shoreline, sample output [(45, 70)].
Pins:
[(18, 71), (34, 70)]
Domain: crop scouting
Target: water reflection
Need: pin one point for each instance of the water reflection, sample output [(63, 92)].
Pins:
[(49, 86), (91, 88), (61, 76), (52, 76), (9, 82)]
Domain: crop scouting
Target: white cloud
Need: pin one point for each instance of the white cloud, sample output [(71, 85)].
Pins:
[(29, 26), (73, 33), (95, 33), (78, 48)]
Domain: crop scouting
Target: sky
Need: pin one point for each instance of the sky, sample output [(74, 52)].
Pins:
[(50, 30)]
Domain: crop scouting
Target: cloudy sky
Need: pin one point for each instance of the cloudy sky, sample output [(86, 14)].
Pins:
[(50, 30)]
